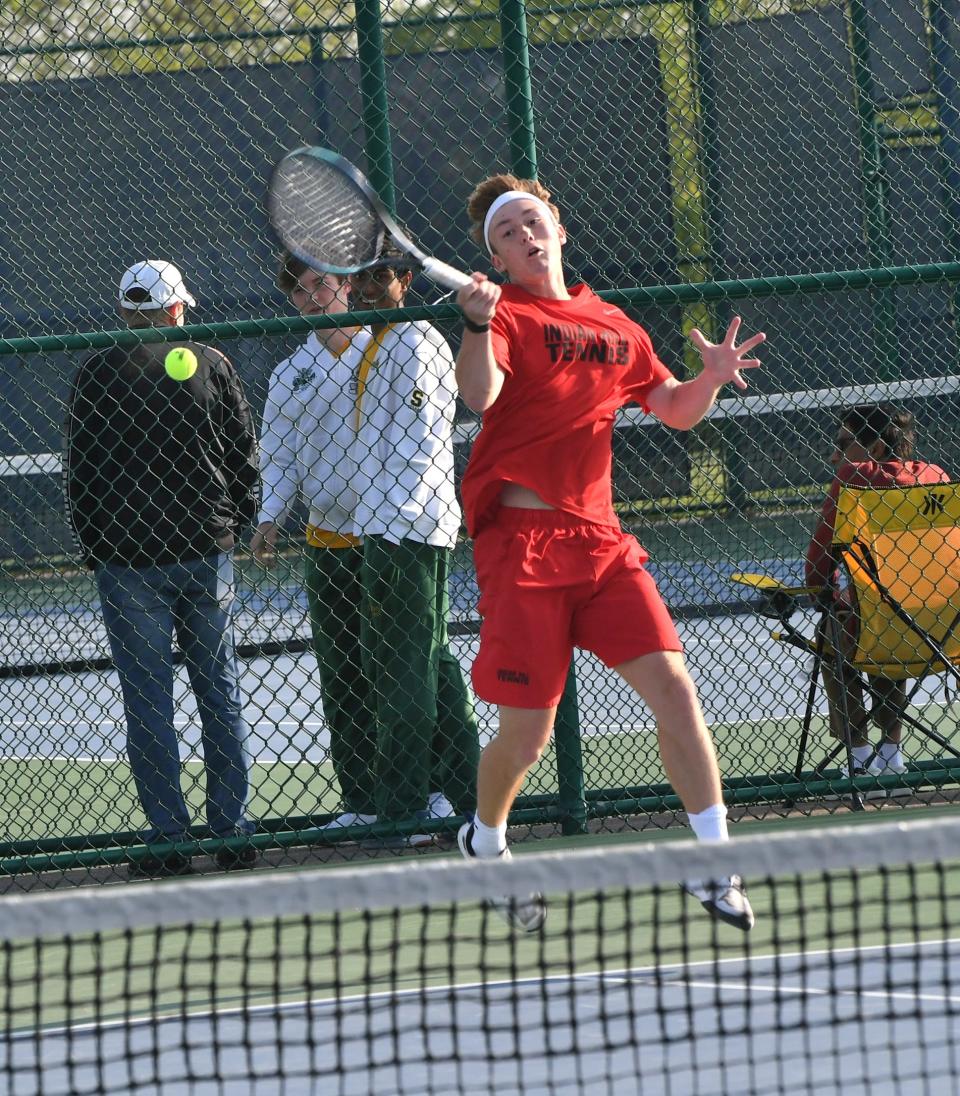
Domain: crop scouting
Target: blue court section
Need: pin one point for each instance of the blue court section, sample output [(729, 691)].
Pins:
[(875, 1021)]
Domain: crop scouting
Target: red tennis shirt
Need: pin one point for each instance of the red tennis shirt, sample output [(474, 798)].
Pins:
[(569, 365)]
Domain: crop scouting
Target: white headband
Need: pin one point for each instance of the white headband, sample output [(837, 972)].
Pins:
[(502, 200)]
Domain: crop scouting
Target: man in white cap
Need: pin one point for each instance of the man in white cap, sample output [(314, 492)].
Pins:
[(151, 285), (161, 476)]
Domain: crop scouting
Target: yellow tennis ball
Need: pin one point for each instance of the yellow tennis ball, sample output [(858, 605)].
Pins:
[(180, 364)]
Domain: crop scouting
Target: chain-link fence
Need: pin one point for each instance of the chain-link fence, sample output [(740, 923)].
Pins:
[(794, 163)]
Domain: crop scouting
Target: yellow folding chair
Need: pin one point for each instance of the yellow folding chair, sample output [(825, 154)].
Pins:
[(898, 553)]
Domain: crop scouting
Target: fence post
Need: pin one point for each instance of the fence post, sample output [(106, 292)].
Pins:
[(519, 93), (571, 784), (874, 185), (946, 85), (734, 466), (523, 158), (373, 100)]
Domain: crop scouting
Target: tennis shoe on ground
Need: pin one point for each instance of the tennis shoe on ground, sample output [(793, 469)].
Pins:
[(882, 766), (725, 900), (349, 818), (154, 866), (240, 859), (438, 806), (528, 913), (401, 840)]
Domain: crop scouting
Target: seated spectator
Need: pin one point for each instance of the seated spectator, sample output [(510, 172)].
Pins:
[(874, 448)]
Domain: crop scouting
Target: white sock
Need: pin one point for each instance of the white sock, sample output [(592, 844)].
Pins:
[(862, 754), (889, 751), (488, 841), (711, 824)]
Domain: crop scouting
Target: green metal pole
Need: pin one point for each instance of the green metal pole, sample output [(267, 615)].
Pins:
[(946, 82), (522, 127), (875, 186), (373, 100), (708, 130), (519, 99), (318, 57), (571, 781), (708, 137)]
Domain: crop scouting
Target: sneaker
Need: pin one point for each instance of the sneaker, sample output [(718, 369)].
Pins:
[(527, 914), (236, 859), (725, 900), (438, 806), (882, 766), (858, 770), (349, 818), (401, 840), (160, 867)]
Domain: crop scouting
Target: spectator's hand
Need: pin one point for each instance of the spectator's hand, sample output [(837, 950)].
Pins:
[(723, 361), (226, 542), (264, 542), (478, 300)]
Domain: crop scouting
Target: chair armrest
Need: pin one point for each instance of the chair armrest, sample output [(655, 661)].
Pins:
[(767, 584), (777, 599)]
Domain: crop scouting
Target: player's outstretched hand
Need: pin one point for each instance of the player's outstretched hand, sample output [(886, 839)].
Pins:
[(723, 361), (478, 300)]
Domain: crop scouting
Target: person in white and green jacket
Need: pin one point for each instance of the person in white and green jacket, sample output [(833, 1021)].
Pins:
[(408, 516), (306, 439)]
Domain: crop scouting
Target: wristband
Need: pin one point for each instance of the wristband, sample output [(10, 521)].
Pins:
[(476, 328)]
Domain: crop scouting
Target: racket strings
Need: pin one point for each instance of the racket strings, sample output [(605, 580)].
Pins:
[(321, 215)]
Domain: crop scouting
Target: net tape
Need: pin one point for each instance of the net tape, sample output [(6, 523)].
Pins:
[(402, 886)]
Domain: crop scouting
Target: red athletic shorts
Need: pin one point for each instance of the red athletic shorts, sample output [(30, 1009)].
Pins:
[(549, 582)]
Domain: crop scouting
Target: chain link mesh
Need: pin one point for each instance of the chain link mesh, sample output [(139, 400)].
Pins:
[(795, 163)]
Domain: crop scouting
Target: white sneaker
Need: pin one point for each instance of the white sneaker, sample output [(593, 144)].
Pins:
[(438, 806), (885, 766), (882, 766), (350, 818), (527, 914), (725, 900)]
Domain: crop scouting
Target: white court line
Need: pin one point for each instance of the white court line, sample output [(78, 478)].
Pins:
[(809, 991), (624, 976)]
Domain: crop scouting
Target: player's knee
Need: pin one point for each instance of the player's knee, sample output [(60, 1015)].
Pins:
[(677, 692), (527, 752)]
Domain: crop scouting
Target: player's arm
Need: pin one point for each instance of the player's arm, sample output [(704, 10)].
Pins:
[(683, 405), (479, 378)]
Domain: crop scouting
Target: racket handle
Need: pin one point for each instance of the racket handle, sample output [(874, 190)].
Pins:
[(445, 275)]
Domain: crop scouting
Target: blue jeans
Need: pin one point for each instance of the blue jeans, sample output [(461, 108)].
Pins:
[(141, 607)]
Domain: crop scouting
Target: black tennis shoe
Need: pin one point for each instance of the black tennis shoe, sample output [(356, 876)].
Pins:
[(239, 859), (154, 866), (527, 914)]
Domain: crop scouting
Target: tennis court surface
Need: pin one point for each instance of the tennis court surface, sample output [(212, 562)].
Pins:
[(397, 979)]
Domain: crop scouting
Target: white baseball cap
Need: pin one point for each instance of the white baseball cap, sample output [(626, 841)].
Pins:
[(152, 284)]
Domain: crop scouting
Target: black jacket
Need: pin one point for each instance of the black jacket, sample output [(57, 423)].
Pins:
[(156, 470)]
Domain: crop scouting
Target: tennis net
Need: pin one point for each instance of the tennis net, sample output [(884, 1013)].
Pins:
[(397, 979)]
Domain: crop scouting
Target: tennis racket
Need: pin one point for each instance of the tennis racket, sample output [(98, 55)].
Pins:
[(327, 214)]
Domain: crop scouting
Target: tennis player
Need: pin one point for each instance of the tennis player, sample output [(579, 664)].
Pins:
[(549, 366)]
